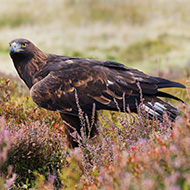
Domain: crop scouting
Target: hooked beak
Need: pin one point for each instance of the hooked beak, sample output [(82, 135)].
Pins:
[(14, 47)]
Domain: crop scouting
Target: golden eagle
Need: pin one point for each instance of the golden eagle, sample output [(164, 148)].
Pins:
[(55, 80)]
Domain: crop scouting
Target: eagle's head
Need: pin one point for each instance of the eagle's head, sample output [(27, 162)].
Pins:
[(21, 48), (27, 59)]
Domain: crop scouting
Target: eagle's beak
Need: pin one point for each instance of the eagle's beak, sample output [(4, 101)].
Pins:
[(14, 47)]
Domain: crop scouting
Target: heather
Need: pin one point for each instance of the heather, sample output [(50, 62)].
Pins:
[(131, 152)]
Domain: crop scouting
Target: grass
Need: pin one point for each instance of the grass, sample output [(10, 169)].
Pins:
[(142, 50), (17, 20), (100, 29)]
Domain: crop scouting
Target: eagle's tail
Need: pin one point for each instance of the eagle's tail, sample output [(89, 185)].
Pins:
[(155, 107)]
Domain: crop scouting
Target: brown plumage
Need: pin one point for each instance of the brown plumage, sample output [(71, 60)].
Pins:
[(55, 80)]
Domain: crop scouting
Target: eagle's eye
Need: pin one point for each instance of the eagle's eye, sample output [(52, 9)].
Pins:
[(9, 45), (23, 45)]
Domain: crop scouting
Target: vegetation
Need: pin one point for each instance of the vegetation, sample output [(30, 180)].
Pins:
[(132, 153), (124, 31), (142, 50)]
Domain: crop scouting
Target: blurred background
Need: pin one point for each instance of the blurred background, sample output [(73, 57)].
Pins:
[(150, 35)]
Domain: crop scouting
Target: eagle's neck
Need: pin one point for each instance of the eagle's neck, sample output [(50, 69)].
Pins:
[(28, 65)]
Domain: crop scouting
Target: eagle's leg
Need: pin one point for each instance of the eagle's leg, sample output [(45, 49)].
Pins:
[(75, 122)]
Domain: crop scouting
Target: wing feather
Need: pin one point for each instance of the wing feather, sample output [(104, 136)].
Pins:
[(94, 81)]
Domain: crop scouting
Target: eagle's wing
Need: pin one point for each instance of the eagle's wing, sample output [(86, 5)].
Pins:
[(92, 81)]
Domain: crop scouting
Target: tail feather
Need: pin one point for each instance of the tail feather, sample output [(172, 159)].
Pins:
[(166, 95), (157, 107)]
